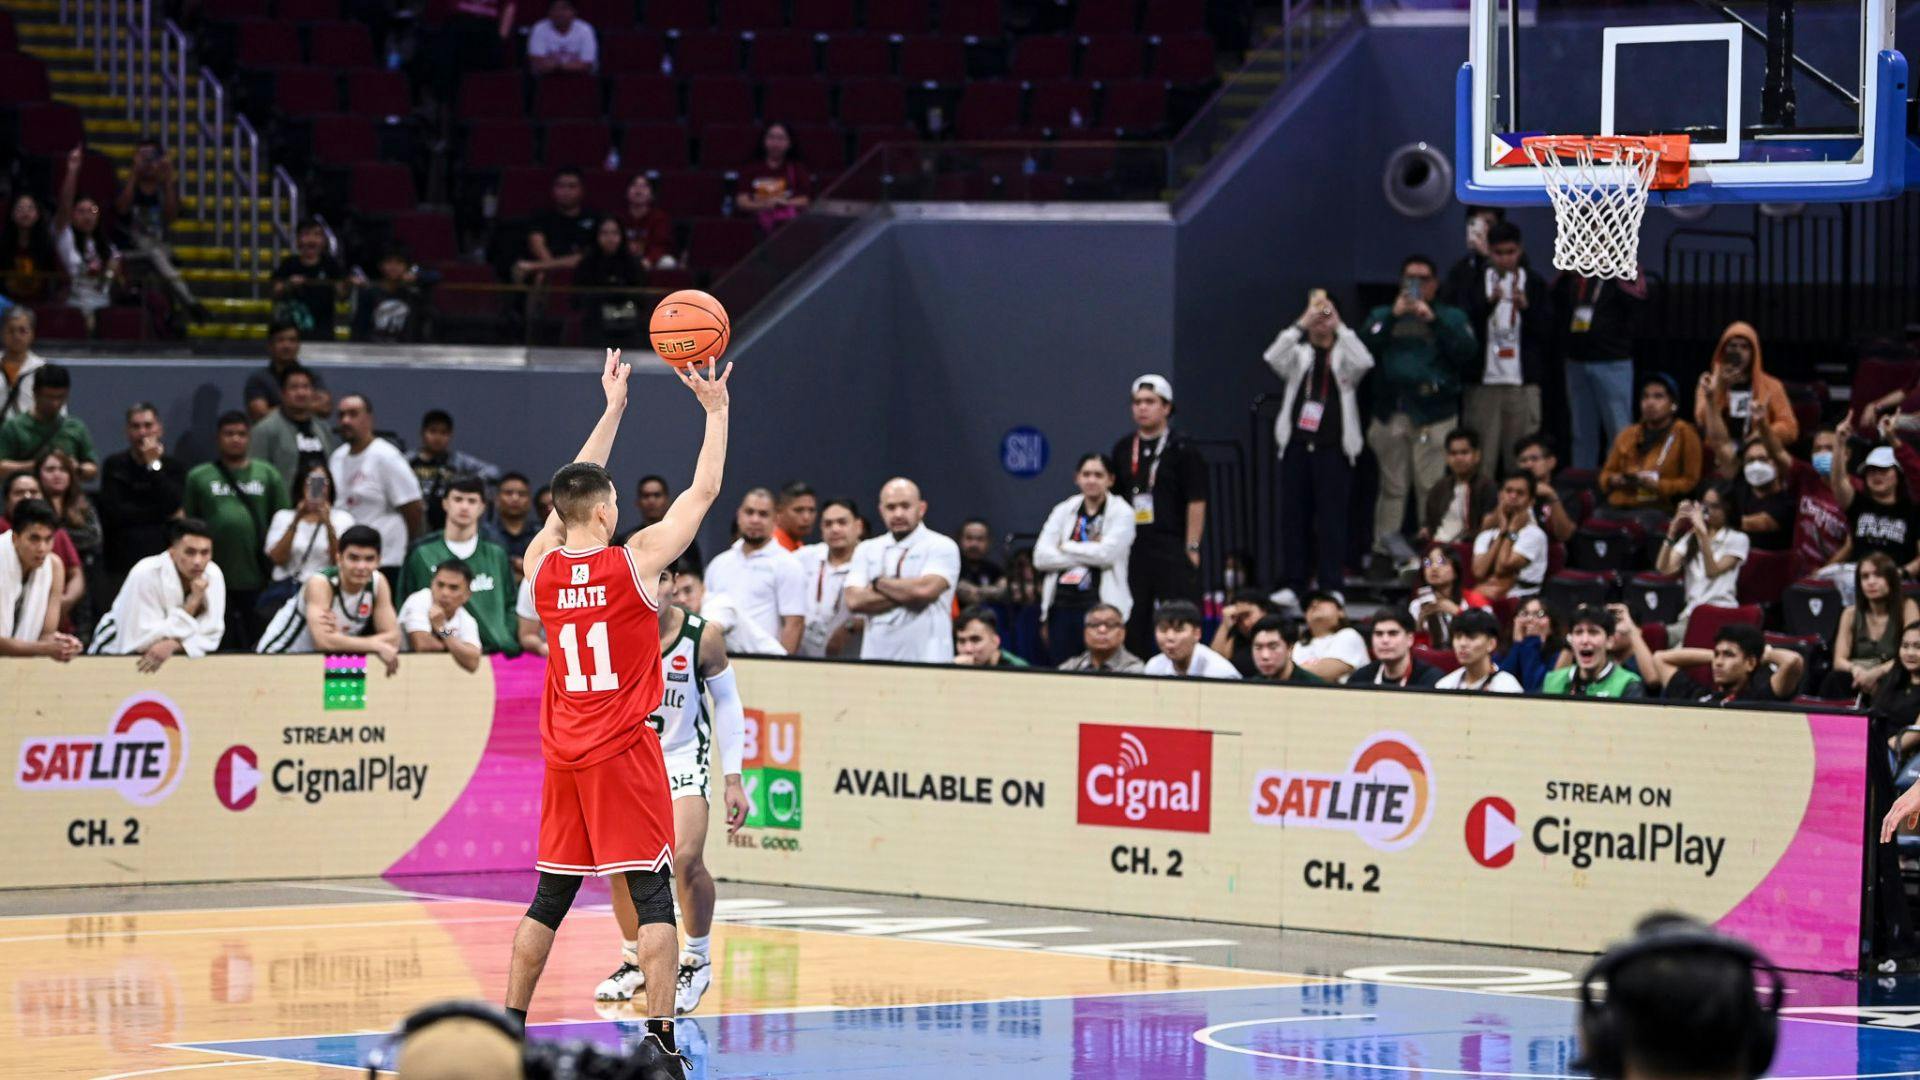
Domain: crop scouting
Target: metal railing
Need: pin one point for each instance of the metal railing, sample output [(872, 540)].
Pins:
[(188, 110)]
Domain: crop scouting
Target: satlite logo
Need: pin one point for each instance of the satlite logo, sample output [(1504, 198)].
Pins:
[(236, 778), (770, 769), (142, 755), (1492, 835), (1385, 795), (1146, 778)]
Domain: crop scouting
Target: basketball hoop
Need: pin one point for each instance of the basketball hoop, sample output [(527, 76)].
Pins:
[(1599, 186)]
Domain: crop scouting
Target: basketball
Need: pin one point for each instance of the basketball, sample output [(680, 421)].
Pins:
[(689, 327)]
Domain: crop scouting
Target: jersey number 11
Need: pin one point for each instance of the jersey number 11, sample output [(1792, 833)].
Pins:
[(604, 677)]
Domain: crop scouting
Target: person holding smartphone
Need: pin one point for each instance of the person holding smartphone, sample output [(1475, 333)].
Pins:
[(305, 538)]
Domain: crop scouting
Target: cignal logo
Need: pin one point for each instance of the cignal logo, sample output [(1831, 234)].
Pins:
[(1492, 832), (142, 755), (1146, 778), (770, 770), (1385, 794), (236, 777)]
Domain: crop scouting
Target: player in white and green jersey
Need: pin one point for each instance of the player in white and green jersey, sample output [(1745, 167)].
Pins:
[(696, 672)]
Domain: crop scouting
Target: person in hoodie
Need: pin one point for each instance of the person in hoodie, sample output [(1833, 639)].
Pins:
[(1512, 316), (1731, 387)]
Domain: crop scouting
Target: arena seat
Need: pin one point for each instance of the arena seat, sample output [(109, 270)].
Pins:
[(9, 38), (59, 322), (718, 99), (381, 188), (1185, 60), (777, 54), (342, 46), (1044, 56), (23, 79), (49, 129), (823, 16), (265, 45), (1812, 606), (1765, 576), (524, 191), (343, 139), (933, 61), (306, 11), (798, 101), (581, 144), (1134, 109), (654, 147), (872, 103), (1055, 106), (1113, 57), (498, 144), (974, 19), (677, 15), (568, 97), (897, 16), (637, 49), (1109, 17), (750, 14), (728, 146), (1570, 589), (691, 194), (1444, 659), (823, 146), (989, 110), (378, 93), (707, 52), (1604, 545), (858, 56), (644, 97), (428, 235), (1166, 17), (1707, 619), (719, 243), (1655, 598), (306, 91), (1876, 377), (490, 95)]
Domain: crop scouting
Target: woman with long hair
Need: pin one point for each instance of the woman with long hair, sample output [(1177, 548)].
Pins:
[(305, 539), (91, 262), (1535, 646), (1703, 545), (60, 485), (777, 185), (1865, 650), (1895, 703), (1441, 596), (608, 264), (1082, 550), (29, 265)]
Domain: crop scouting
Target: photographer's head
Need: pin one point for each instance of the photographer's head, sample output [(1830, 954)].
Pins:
[(1681, 1003), (453, 1040)]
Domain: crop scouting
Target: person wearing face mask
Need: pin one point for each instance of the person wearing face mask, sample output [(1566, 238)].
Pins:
[(1732, 386), (1819, 524), (1083, 550), (1762, 502)]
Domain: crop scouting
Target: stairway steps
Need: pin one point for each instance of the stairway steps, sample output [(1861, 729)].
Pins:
[(192, 202), (212, 331)]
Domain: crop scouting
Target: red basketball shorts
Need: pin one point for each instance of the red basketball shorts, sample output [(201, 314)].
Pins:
[(610, 817)]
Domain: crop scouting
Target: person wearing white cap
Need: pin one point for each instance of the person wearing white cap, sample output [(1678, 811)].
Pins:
[(1881, 517), (1164, 479)]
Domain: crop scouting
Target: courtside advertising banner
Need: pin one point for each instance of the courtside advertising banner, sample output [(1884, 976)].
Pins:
[(1475, 818)]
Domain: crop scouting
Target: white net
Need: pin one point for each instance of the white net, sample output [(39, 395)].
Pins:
[(1599, 192)]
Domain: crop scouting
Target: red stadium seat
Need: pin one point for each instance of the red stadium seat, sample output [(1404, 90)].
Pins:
[(1054, 106), (491, 95), (607, 191), (718, 100), (306, 91), (781, 54), (1876, 377), (972, 18), (872, 102), (267, 44), (602, 15), (306, 10), (1765, 576), (343, 139), (1656, 635), (378, 93), (797, 101), (1134, 108), (933, 61), (751, 14), (59, 321), (1165, 17), (897, 16), (121, 324), (50, 129), (1185, 60), (823, 16), (568, 97), (340, 45), (427, 234), (631, 49), (859, 56), (728, 146), (23, 79), (719, 243), (644, 97), (581, 144), (380, 188), (1107, 17), (1504, 609), (9, 39), (989, 110), (524, 191), (707, 52), (868, 137), (1043, 56), (452, 301), (1111, 57), (823, 146), (655, 147), (691, 194), (499, 144), (677, 14), (1707, 620)]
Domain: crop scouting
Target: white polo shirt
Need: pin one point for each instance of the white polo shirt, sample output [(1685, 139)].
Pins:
[(1205, 664), (766, 585), (416, 614), (826, 597), (925, 635), (373, 485)]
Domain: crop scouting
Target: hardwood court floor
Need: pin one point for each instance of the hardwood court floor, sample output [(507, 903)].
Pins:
[(302, 979)]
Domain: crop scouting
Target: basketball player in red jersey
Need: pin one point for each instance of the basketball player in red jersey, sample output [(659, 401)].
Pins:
[(605, 806)]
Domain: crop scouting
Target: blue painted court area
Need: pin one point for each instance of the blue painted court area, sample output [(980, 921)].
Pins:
[(1361, 1031)]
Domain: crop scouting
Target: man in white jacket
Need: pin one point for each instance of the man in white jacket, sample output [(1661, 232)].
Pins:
[(30, 579), (1083, 550), (172, 602), (1319, 436)]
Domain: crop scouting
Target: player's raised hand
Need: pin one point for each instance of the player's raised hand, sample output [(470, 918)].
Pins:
[(613, 380), (710, 389)]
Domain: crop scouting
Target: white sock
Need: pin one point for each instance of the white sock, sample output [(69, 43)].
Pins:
[(698, 946), (630, 952)]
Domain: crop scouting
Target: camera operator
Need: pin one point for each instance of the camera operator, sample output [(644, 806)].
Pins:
[(1682, 1002), (466, 1040)]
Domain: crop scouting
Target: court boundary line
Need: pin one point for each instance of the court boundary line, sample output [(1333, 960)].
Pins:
[(219, 909)]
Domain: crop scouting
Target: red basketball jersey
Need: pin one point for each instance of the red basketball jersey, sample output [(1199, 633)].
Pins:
[(603, 662)]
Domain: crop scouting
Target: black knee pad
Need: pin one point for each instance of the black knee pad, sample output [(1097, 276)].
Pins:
[(552, 898), (652, 892)]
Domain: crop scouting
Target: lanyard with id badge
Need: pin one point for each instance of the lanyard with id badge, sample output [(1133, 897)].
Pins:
[(1583, 308), (1143, 497), (1314, 410)]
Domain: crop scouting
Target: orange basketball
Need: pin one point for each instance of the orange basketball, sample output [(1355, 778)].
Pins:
[(689, 327)]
